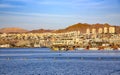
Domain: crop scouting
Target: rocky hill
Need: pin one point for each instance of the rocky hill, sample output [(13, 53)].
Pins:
[(82, 27)]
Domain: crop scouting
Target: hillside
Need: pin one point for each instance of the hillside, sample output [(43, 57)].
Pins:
[(83, 26), (13, 30), (40, 31)]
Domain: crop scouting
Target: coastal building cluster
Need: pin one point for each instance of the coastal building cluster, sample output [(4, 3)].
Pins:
[(93, 38)]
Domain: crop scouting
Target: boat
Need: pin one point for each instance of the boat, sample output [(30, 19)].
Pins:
[(55, 48), (93, 48), (79, 48), (62, 47)]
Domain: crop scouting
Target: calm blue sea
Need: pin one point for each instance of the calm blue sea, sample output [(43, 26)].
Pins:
[(46, 53), (43, 61)]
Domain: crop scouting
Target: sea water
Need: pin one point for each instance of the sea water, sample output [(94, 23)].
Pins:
[(43, 61)]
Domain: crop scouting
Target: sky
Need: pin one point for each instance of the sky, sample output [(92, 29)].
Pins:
[(57, 14)]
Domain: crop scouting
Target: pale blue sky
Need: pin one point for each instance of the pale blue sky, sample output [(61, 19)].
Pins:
[(57, 14)]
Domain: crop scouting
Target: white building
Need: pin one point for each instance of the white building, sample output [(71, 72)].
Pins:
[(111, 29), (100, 30), (88, 31), (105, 30), (93, 31)]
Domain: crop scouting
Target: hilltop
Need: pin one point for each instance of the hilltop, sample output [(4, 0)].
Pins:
[(13, 30)]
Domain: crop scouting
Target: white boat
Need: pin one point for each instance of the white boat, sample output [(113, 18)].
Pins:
[(93, 49), (80, 48)]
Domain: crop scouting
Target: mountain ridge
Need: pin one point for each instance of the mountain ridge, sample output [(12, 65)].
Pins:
[(75, 27)]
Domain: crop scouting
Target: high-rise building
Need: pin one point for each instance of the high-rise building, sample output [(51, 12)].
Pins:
[(100, 30), (111, 29), (88, 31), (93, 30), (105, 30)]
